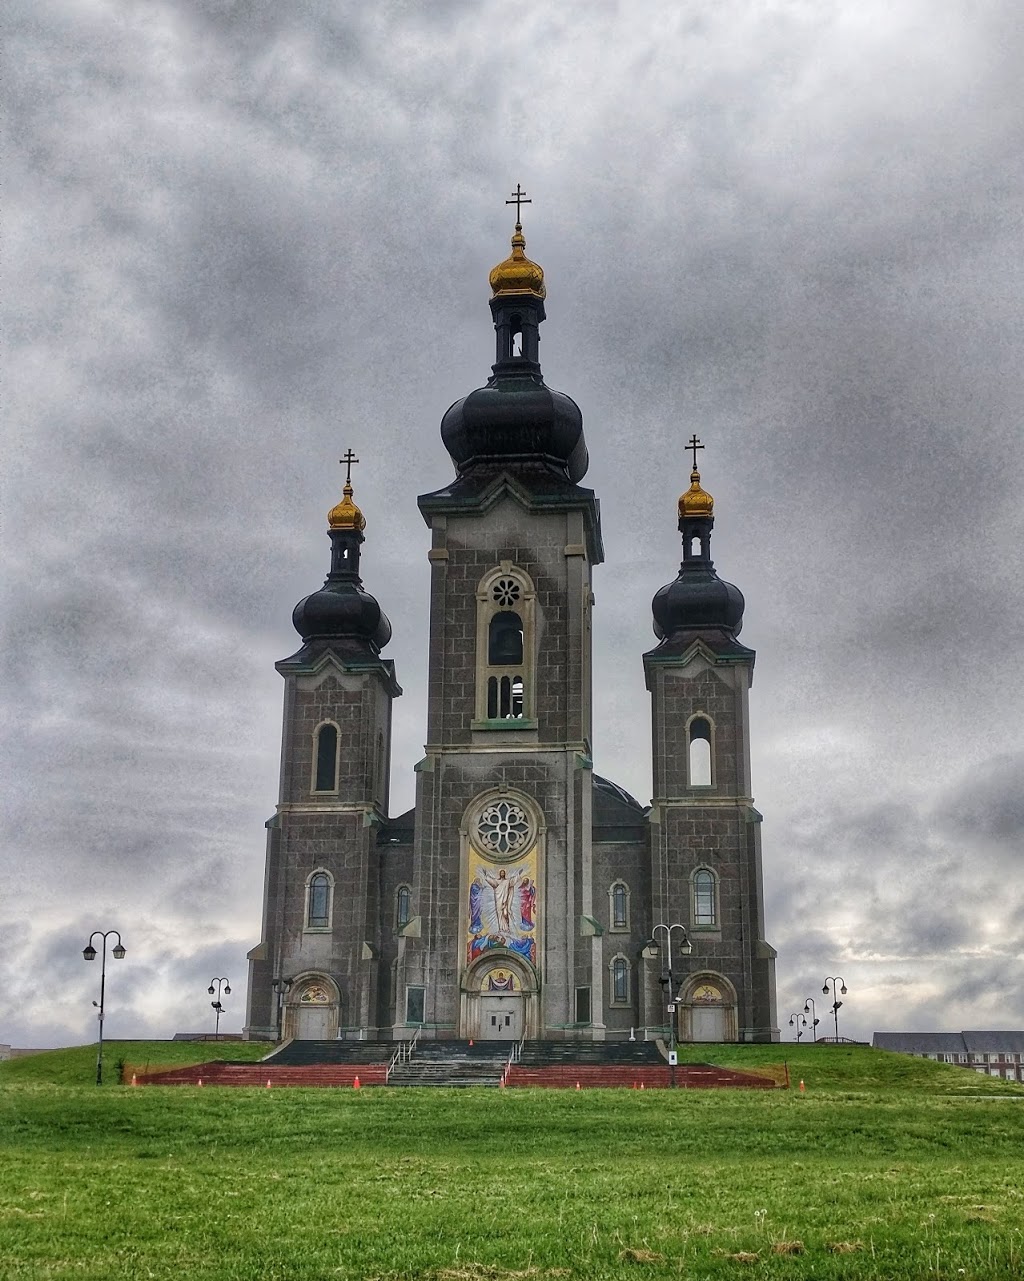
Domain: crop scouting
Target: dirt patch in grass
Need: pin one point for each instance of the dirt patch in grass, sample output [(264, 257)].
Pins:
[(634, 1255), (788, 1247), (845, 1247)]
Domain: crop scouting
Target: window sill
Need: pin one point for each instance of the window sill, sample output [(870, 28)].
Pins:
[(505, 723), (316, 929), (618, 929)]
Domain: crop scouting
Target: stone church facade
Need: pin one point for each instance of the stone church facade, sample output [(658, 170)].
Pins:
[(522, 896)]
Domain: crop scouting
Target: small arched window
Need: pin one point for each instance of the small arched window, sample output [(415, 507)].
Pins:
[(620, 980), (318, 901), (699, 735), (620, 906), (505, 640), (326, 759), (403, 907), (705, 907)]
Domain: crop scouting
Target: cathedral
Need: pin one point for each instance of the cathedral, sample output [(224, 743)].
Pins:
[(523, 896)]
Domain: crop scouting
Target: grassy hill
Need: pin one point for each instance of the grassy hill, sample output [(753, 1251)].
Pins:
[(886, 1167)]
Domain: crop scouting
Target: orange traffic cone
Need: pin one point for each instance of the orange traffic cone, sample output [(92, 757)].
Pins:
[(268, 1082), (356, 1085), (134, 1079), (471, 1040), (641, 1085), (577, 1085), (803, 1088), (200, 1080), (501, 1083)]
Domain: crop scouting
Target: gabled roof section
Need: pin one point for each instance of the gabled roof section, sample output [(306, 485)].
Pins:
[(534, 485), (347, 655), (398, 831)]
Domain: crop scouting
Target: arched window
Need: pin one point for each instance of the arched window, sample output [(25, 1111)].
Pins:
[(619, 905), (699, 737), (705, 898), (318, 901), (505, 631), (403, 907), (325, 758), (619, 967)]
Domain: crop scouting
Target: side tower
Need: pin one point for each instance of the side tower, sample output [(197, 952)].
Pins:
[(315, 973), (498, 944), (704, 830)]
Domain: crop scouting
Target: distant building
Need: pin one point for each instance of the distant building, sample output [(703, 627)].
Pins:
[(999, 1054), (518, 896)]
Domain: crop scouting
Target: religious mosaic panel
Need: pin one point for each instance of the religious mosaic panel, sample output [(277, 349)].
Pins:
[(501, 911)]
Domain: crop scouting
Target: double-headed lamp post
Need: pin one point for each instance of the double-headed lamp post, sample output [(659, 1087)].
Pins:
[(809, 1009), (668, 981), (89, 952), (215, 1003), (798, 1021), (836, 1003)]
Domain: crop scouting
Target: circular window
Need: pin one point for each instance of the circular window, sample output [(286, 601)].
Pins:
[(506, 591), (503, 827)]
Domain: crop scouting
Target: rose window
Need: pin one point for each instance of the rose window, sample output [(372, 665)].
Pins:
[(506, 591), (503, 828)]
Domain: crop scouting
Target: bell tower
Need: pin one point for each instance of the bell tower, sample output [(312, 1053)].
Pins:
[(502, 860), (315, 974), (705, 831)]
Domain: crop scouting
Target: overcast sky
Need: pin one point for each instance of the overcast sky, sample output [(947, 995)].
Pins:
[(243, 237)]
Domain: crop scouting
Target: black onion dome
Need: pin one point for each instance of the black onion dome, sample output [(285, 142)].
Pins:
[(516, 419), (697, 598), (341, 611)]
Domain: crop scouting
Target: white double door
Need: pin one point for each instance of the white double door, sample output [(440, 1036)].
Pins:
[(501, 1017)]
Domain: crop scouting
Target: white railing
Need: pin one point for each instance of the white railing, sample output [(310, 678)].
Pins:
[(515, 1054), (403, 1054)]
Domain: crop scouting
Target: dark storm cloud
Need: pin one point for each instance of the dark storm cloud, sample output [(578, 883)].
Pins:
[(243, 237)]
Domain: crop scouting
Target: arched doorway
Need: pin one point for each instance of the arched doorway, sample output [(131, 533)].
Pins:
[(499, 1000), (707, 1011), (312, 1012)]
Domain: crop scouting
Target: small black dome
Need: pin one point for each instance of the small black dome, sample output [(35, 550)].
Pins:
[(697, 598), (342, 611), (516, 417)]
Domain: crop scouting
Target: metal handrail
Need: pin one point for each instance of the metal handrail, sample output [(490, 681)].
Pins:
[(514, 1055)]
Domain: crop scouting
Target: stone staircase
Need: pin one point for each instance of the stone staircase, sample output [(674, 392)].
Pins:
[(543, 1064), (454, 1063)]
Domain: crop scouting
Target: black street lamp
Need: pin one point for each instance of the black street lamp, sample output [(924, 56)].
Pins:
[(809, 1009), (798, 1021), (216, 1003), (89, 953), (836, 1003), (668, 982)]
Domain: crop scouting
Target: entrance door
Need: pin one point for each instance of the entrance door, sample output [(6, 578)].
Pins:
[(313, 1023), (501, 1018), (708, 1022)]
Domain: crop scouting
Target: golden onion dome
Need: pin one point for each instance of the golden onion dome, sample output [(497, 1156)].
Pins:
[(346, 515), (696, 501), (517, 274)]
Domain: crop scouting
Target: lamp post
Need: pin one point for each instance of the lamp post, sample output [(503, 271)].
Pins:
[(799, 1021), (836, 1003), (216, 1002), (89, 953), (809, 1009), (667, 981)]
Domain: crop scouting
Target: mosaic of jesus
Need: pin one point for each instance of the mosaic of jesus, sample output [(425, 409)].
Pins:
[(502, 909)]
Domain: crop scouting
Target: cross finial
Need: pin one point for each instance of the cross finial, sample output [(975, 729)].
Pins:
[(694, 444), (348, 458), (518, 198)]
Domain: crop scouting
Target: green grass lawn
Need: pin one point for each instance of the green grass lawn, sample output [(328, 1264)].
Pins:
[(886, 1167)]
